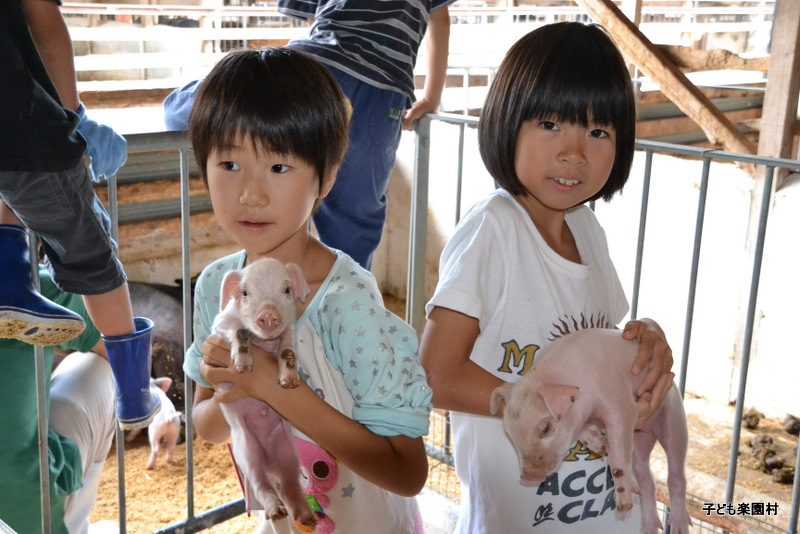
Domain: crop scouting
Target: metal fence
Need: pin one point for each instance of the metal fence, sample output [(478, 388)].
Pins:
[(439, 446), (441, 450)]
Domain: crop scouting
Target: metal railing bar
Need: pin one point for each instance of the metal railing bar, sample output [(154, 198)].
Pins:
[(215, 516), (41, 402), (668, 110), (417, 238), (748, 334), (186, 209), (157, 209), (698, 239), (637, 271), (795, 506), (119, 435), (460, 171)]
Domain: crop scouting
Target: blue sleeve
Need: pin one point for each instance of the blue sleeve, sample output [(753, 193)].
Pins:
[(376, 352), (178, 106), (201, 326)]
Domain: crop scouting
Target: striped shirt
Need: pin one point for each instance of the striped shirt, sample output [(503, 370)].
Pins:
[(375, 41)]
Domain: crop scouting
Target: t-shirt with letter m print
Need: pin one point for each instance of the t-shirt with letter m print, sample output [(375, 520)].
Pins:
[(498, 269)]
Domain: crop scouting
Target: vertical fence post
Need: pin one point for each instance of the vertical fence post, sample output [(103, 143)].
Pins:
[(41, 403), (748, 336), (698, 239), (417, 238), (637, 272), (187, 325), (119, 435)]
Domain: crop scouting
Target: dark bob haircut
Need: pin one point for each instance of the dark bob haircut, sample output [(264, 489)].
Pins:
[(282, 100), (568, 71)]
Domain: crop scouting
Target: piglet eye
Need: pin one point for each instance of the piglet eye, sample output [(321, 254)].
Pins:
[(244, 292), (545, 430), (288, 290)]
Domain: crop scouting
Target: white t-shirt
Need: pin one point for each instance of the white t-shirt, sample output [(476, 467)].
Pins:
[(498, 269)]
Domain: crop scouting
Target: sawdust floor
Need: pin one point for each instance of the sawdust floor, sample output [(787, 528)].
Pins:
[(157, 498), (709, 456)]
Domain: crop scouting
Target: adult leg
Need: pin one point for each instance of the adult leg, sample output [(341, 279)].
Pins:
[(82, 409)]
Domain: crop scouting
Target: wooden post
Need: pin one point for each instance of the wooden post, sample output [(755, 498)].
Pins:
[(779, 113), (778, 118), (672, 82)]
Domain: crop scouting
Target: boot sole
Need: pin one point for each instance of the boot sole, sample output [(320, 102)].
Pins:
[(41, 331)]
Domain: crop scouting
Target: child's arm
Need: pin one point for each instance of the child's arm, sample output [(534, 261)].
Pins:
[(395, 463), (51, 35), (437, 38), (457, 382), (207, 417)]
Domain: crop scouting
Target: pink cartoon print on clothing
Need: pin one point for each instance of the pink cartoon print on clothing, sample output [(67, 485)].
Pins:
[(319, 473)]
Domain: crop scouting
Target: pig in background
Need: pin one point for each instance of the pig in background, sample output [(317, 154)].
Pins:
[(580, 387), (166, 311), (258, 308), (165, 429)]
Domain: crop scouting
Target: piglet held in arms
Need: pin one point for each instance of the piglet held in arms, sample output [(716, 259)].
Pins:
[(580, 387), (259, 309)]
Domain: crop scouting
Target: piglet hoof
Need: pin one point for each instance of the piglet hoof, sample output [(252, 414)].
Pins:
[(307, 519), (275, 511), (289, 358), (289, 378), (289, 383), (243, 364), (625, 486)]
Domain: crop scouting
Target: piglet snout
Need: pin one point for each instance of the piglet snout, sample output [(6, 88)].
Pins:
[(269, 319)]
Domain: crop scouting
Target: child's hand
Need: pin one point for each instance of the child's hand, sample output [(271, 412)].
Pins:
[(229, 384), (654, 350)]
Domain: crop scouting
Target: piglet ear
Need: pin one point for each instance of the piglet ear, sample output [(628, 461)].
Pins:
[(231, 287), (558, 399), (499, 397), (163, 383), (299, 286)]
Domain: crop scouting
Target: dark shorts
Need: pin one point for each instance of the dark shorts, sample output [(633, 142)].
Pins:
[(62, 209)]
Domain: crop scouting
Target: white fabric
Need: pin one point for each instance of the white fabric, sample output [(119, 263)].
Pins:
[(362, 360), (498, 269), (82, 402)]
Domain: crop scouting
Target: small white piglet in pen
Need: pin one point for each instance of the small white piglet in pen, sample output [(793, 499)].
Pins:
[(580, 387), (258, 308), (165, 427)]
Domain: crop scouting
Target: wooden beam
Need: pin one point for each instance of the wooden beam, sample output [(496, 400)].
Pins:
[(672, 82), (780, 100), (691, 59)]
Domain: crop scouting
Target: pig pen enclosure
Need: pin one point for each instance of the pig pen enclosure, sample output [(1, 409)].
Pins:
[(710, 280)]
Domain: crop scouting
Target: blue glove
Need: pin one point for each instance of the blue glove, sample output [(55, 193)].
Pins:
[(178, 105), (107, 148)]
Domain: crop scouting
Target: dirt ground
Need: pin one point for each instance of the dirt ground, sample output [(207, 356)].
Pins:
[(157, 498), (709, 455)]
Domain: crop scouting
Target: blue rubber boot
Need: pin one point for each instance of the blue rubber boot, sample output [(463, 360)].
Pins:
[(24, 313), (129, 356)]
